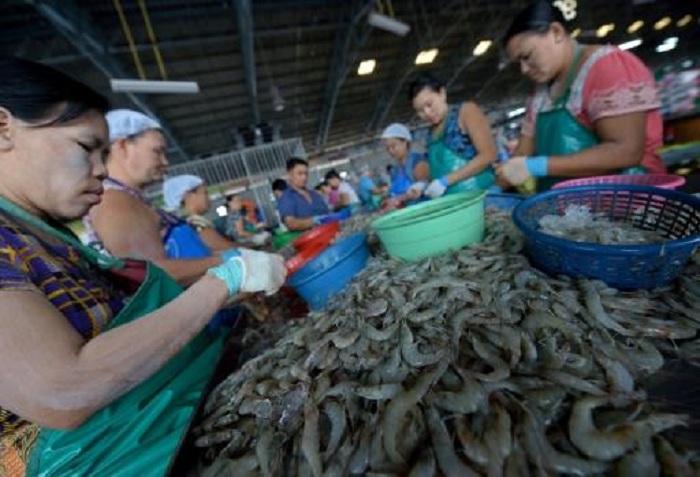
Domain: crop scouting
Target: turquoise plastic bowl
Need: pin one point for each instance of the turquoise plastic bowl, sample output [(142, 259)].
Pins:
[(433, 228), (330, 271)]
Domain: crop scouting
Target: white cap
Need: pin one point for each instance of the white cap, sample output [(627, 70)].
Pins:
[(397, 130), (175, 188), (125, 122)]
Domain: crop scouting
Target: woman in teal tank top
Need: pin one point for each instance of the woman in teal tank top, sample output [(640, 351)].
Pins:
[(461, 149)]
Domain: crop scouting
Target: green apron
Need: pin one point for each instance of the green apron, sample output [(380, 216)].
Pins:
[(444, 161), (138, 433), (559, 133)]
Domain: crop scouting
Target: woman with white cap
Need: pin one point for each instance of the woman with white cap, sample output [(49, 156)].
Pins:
[(188, 194), (125, 222), (411, 172)]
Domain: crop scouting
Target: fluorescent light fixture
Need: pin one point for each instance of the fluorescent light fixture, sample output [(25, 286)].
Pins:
[(635, 26), (684, 21), (663, 23), (567, 7), (426, 57), (603, 30), (155, 87), (389, 24), (576, 33), (482, 47), (628, 45), (515, 112), (668, 45), (366, 67), (222, 211)]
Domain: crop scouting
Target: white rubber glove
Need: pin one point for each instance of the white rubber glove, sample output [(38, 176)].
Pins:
[(416, 190), (515, 170), (436, 188), (252, 272)]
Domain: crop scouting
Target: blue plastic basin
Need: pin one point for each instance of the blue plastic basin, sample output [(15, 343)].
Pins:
[(331, 270)]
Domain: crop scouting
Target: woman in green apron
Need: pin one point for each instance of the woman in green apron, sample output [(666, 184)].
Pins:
[(103, 361), (461, 149), (595, 110)]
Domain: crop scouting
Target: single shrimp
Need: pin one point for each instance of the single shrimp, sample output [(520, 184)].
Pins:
[(609, 445)]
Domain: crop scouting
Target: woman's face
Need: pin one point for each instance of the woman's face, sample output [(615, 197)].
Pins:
[(431, 106), (147, 156), (198, 200), (397, 148), (57, 170), (539, 55)]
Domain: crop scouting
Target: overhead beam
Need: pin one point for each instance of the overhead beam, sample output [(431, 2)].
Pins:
[(244, 12), (80, 30), (348, 43)]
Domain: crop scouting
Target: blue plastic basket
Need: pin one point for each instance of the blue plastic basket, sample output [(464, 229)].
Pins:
[(674, 214), (503, 201), (331, 270)]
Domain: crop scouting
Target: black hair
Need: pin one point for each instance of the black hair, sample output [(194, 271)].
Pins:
[(279, 184), (244, 210), (321, 185), (422, 81), (230, 197), (332, 174), (34, 92), (295, 161), (535, 18)]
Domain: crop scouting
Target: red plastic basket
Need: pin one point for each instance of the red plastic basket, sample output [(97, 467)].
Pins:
[(664, 181), (320, 235)]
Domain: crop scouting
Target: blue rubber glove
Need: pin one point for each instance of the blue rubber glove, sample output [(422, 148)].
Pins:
[(318, 219), (231, 273), (226, 255), (537, 165)]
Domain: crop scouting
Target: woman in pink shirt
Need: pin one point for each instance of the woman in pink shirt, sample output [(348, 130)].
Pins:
[(594, 111)]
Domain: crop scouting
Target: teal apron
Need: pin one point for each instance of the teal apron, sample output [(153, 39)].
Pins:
[(559, 133), (444, 161), (138, 433)]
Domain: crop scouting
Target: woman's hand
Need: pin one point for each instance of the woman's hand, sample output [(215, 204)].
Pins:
[(252, 272)]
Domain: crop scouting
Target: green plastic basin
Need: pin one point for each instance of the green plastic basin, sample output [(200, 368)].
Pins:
[(280, 239), (433, 228)]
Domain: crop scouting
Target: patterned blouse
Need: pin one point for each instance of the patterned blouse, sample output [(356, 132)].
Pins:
[(610, 82), (34, 262)]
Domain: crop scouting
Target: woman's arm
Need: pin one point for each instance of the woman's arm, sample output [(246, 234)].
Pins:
[(474, 122), (421, 171), (50, 376), (621, 145), (215, 241)]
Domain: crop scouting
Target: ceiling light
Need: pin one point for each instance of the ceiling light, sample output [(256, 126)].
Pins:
[(389, 24), (635, 26), (156, 87), (603, 30), (663, 23), (628, 45), (567, 8), (684, 21), (576, 33), (426, 57), (668, 44), (482, 47), (515, 112), (366, 67)]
